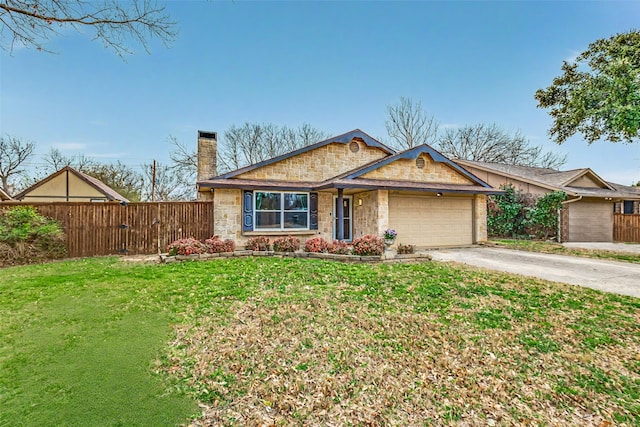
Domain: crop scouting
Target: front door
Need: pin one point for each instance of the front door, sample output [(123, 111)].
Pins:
[(346, 209)]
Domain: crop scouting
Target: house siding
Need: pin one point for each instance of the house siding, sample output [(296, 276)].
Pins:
[(317, 165), (496, 181), (55, 190), (406, 170)]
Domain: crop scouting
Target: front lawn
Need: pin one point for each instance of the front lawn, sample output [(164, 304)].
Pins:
[(309, 342)]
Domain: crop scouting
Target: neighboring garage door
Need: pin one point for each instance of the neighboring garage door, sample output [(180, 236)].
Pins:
[(590, 222), (430, 221)]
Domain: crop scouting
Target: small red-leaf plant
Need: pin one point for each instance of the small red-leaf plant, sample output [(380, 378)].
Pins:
[(258, 243), (286, 244), (339, 247), (216, 245), (368, 245), (317, 245), (187, 246)]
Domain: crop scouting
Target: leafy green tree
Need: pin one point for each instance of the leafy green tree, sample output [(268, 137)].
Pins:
[(544, 216), (507, 214), (598, 95)]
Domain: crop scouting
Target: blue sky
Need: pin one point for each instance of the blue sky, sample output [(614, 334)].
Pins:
[(335, 65)]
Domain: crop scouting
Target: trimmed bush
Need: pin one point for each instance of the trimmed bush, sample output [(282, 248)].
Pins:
[(286, 244), (28, 237), (339, 247), (188, 246), (368, 245), (216, 245), (317, 245), (258, 243), (406, 249)]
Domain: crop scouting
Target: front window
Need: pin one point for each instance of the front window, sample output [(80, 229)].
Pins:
[(281, 211), (627, 207)]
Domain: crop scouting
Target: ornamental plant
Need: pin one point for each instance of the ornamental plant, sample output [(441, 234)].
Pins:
[(339, 247), (258, 243), (390, 234), (316, 245), (188, 246), (286, 244), (406, 249), (216, 245), (368, 245)]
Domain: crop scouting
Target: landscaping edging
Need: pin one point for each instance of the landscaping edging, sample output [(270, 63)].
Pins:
[(387, 257)]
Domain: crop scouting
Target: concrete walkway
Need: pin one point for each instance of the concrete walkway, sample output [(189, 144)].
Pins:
[(608, 276)]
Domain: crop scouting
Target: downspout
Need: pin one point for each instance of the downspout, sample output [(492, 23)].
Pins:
[(566, 202)]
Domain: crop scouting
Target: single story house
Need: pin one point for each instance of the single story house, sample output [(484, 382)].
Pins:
[(587, 214), (69, 185), (4, 196), (343, 188)]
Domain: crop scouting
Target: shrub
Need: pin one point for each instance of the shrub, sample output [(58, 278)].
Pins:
[(339, 247), (286, 244), (188, 246), (368, 245), (258, 243), (317, 244), (26, 236), (216, 245), (406, 249)]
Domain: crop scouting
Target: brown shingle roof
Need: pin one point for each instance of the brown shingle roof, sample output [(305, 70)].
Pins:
[(557, 180)]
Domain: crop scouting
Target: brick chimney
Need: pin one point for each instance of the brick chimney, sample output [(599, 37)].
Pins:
[(207, 158)]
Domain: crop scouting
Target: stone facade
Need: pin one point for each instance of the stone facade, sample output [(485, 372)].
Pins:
[(227, 221), (365, 216), (480, 218), (207, 160), (407, 170), (317, 165)]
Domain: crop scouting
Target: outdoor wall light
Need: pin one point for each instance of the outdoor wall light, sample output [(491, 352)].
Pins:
[(359, 202), (439, 194)]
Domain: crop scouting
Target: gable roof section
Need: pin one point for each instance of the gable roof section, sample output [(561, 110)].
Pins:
[(555, 180), (411, 154), (4, 195), (345, 138), (109, 192)]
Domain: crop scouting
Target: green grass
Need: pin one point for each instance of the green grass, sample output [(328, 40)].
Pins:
[(556, 248), (310, 342)]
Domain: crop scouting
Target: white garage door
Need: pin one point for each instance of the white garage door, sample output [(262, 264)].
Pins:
[(590, 222), (431, 221)]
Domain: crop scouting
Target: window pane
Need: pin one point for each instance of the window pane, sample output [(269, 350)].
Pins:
[(267, 219), (628, 207), (296, 202), (295, 220), (267, 201)]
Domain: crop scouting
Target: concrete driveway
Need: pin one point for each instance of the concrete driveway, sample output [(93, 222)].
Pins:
[(609, 276), (606, 246)]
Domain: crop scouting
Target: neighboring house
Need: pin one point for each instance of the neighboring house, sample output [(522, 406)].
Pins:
[(69, 185), (587, 214), (346, 187), (4, 196)]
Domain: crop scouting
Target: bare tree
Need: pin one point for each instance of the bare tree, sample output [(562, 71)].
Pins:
[(408, 125), (14, 153), (169, 184), (115, 23), (490, 143), (252, 143)]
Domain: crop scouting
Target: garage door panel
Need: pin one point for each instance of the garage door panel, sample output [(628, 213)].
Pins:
[(429, 221), (590, 222)]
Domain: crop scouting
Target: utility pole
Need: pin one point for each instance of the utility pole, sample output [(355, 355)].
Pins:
[(153, 181)]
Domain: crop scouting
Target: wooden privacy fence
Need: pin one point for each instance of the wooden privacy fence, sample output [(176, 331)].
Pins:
[(135, 228), (626, 228)]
